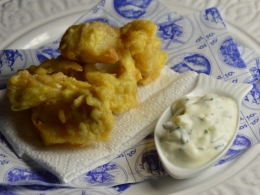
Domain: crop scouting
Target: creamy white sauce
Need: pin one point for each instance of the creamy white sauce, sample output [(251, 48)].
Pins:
[(199, 130)]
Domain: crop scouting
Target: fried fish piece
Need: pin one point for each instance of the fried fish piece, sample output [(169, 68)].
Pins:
[(123, 84), (26, 91), (139, 37), (32, 87), (98, 42), (93, 42), (79, 121), (64, 109)]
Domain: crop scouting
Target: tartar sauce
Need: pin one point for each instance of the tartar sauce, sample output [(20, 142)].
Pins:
[(200, 128)]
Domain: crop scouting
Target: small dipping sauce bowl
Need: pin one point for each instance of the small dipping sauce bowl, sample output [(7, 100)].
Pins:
[(206, 84)]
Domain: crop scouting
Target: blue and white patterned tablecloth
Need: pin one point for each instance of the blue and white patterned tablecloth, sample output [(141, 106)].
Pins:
[(198, 42)]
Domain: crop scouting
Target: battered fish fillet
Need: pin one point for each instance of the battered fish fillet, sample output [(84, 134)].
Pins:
[(39, 84), (139, 37), (97, 42), (27, 91), (64, 110), (123, 86), (77, 121), (93, 42)]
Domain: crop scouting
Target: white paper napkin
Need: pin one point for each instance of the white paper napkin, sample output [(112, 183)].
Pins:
[(130, 128)]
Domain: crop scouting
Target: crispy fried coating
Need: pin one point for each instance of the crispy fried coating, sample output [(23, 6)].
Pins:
[(59, 64), (139, 37), (33, 86), (26, 91), (77, 121), (97, 42), (56, 65), (93, 42), (123, 86)]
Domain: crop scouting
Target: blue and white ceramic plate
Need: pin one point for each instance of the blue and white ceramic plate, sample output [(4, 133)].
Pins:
[(33, 24)]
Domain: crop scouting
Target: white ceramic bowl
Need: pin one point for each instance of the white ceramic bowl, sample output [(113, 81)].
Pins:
[(206, 84)]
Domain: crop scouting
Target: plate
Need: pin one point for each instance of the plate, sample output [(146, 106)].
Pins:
[(24, 28)]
